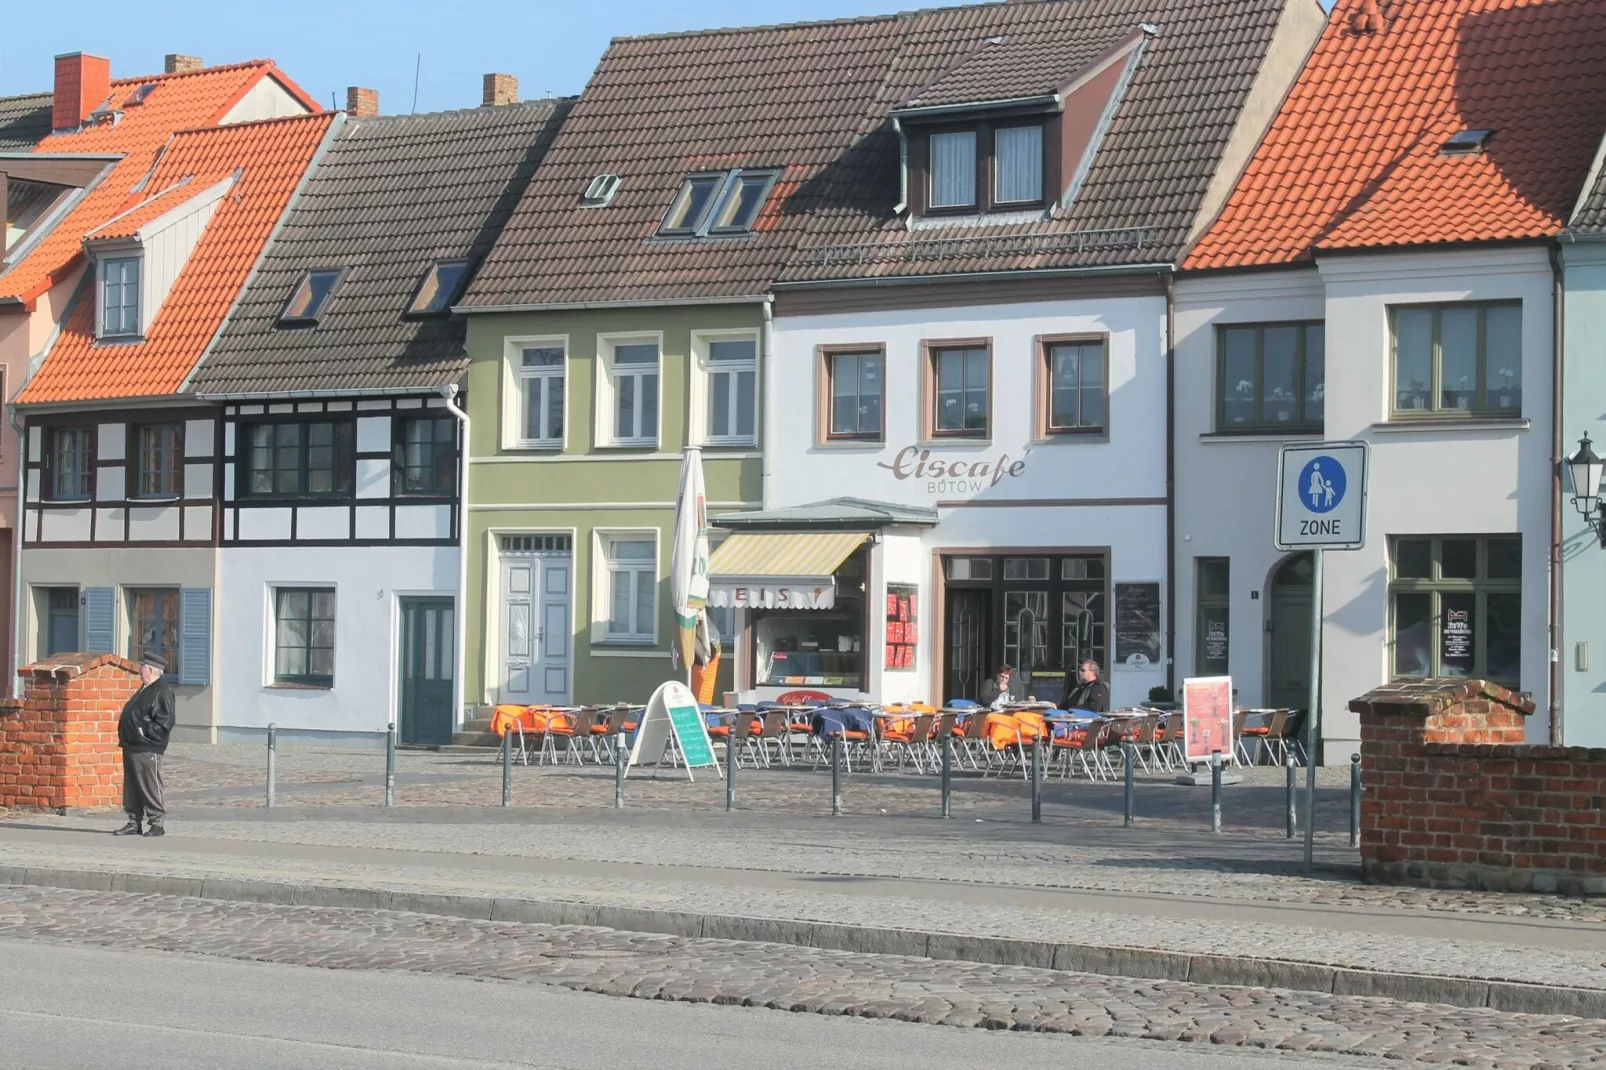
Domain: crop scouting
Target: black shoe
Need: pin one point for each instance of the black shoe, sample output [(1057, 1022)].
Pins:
[(130, 829), (155, 830)]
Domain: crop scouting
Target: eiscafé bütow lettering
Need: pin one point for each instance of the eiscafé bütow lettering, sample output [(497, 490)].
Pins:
[(952, 477)]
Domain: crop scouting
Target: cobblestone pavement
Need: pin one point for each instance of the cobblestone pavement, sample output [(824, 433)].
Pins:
[(805, 980)]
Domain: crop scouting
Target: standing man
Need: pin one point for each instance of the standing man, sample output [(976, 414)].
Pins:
[(1090, 693), (1003, 688), (142, 732)]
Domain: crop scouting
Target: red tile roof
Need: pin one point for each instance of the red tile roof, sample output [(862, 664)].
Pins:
[(178, 102), (153, 207), (1352, 160), (271, 156)]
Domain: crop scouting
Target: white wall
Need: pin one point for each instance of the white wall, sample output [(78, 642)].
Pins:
[(1469, 477), (268, 99), (1071, 492), (368, 582)]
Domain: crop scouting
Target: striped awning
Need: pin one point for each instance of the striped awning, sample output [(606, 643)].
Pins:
[(779, 569)]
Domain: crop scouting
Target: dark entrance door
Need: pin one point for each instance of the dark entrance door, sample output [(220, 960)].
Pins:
[(1289, 627), (969, 616), (427, 659)]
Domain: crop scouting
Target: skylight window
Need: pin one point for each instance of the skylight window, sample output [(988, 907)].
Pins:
[(1466, 143), (718, 203), (600, 193), (440, 288), (310, 295)]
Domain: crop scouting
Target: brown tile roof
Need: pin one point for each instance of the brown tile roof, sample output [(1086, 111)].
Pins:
[(390, 196), (814, 100), (1590, 215), (1352, 160)]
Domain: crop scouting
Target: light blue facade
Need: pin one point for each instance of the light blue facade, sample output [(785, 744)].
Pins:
[(1583, 649)]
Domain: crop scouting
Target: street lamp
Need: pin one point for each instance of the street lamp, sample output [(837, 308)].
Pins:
[(1586, 470)]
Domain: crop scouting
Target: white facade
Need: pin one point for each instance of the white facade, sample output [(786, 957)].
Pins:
[(1016, 489), (1454, 476), (369, 582)]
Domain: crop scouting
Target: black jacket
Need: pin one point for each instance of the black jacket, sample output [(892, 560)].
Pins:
[(1094, 696), (147, 719), (989, 690)]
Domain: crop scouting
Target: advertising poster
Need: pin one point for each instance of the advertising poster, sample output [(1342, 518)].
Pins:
[(1207, 717), (903, 609)]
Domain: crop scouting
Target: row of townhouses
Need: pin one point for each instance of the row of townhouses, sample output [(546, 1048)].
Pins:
[(988, 321)]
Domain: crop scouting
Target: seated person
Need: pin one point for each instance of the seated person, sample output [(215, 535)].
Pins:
[(1003, 688), (1090, 693)]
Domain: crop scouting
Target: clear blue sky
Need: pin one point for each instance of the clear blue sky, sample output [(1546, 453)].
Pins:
[(326, 45)]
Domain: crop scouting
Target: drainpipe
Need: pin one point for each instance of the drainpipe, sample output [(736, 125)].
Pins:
[(1171, 483), (764, 361), (18, 609), (449, 392), (903, 168), (1556, 450)]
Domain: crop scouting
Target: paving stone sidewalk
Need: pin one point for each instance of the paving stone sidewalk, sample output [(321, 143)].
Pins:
[(806, 980)]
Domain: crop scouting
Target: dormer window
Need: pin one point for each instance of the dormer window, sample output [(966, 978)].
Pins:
[(119, 297), (1018, 164), (441, 286), (724, 202), (308, 298), (953, 169), (981, 168)]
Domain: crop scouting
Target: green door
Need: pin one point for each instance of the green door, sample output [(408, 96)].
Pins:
[(427, 659)]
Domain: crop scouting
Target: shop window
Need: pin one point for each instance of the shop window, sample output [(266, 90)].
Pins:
[(969, 568), (1456, 607), (630, 565), (70, 464), (1073, 388), (300, 459), (1212, 616), (1457, 358), (857, 395), (540, 378), (424, 459), (1271, 377), (961, 381), (817, 647), (159, 463), (629, 394), (153, 625), (304, 636)]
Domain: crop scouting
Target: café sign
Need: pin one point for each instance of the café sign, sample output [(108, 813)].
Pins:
[(771, 596), (965, 475)]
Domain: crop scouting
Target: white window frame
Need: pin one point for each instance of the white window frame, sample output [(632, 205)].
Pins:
[(603, 571), (702, 386), (607, 390), (514, 379), (101, 268)]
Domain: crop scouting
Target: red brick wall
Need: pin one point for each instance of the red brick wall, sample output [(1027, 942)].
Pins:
[(1454, 799), (58, 745)]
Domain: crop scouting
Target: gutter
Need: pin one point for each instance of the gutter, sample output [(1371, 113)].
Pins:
[(1171, 483), (765, 359), (980, 276), (351, 392), (1052, 100), (460, 641), (903, 168), (575, 306), (19, 425), (1556, 455)]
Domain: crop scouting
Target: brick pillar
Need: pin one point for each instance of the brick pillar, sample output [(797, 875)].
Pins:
[(1422, 816), (58, 745), (499, 89), (362, 103)]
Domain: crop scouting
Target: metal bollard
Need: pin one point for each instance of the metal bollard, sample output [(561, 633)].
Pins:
[(1126, 766), (1215, 791), (730, 771), (947, 776), (1037, 781), (836, 775), (507, 768), (1293, 797), (619, 770), (390, 765), (1355, 800), (273, 762)]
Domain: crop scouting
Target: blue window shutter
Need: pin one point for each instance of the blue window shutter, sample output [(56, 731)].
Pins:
[(195, 636), (100, 613)]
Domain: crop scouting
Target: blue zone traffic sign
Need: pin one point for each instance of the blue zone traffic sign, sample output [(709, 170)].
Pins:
[(1322, 484), (1321, 496)]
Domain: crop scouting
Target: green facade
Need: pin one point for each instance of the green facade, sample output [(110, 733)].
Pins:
[(585, 487)]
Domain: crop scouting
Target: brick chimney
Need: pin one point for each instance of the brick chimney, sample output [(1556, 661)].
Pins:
[(500, 89), (362, 103), (83, 82), (178, 63)]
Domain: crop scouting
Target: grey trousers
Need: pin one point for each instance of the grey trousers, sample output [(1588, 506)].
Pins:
[(142, 786)]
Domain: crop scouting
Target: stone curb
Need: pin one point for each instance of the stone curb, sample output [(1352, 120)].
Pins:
[(1148, 963)]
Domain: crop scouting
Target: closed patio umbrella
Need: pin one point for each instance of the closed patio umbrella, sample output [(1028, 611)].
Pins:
[(688, 569)]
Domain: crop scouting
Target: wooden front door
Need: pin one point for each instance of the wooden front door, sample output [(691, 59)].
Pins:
[(428, 658)]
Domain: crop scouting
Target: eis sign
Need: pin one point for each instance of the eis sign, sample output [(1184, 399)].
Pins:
[(962, 476)]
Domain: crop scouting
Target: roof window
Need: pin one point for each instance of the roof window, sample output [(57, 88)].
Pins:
[(440, 288), (600, 193), (310, 295), (1466, 143), (724, 202)]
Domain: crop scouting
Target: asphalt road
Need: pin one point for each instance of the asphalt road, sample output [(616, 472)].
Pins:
[(64, 1006)]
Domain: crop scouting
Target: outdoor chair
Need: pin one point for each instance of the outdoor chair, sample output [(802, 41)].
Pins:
[(910, 738)]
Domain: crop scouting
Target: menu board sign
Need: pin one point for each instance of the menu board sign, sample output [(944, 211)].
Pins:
[(1213, 641), (903, 628), (1456, 635), (1137, 625), (1207, 717)]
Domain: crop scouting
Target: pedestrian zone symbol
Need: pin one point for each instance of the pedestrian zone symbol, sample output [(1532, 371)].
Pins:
[(1321, 496), (1322, 483)]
